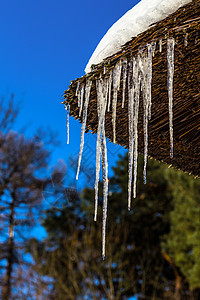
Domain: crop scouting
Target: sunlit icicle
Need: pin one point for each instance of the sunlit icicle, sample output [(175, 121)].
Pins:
[(143, 64), (105, 188), (116, 87), (124, 80), (82, 90), (77, 88), (131, 136), (170, 60), (85, 108), (102, 91), (68, 112), (136, 79), (110, 89), (149, 80), (160, 45)]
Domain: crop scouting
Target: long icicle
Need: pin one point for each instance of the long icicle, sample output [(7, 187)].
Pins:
[(116, 87), (87, 98), (131, 137), (145, 62), (143, 65), (150, 53), (102, 92), (136, 80), (170, 60), (105, 188), (124, 80)]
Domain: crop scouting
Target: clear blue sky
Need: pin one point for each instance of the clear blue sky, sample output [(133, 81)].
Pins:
[(44, 45)]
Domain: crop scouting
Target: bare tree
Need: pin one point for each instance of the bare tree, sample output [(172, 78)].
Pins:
[(8, 113), (22, 180)]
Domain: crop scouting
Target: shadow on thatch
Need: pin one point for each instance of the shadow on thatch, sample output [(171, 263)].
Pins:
[(184, 26)]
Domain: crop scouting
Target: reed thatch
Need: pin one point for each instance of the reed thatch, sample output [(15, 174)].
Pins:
[(184, 26)]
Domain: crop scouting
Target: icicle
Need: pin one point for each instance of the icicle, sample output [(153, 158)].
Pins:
[(134, 86), (102, 92), (116, 87), (124, 80), (131, 137), (170, 59), (150, 52), (110, 89), (87, 97), (77, 88), (82, 90), (105, 188), (145, 64), (160, 45), (68, 112), (136, 79)]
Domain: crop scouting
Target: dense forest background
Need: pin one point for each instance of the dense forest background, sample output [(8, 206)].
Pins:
[(152, 252)]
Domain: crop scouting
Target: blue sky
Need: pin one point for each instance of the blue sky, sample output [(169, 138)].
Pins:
[(44, 45)]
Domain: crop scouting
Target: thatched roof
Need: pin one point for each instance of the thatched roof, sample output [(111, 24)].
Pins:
[(184, 26)]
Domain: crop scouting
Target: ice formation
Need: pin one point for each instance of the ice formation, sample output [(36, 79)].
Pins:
[(105, 188), (102, 94), (124, 80), (84, 120), (110, 89), (135, 21), (170, 59), (116, 87), (135, 74)]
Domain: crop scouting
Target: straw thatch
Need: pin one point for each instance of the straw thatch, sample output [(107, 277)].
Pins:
[(184, 26)]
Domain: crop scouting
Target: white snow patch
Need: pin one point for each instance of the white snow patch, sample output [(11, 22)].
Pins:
[(134, 22)]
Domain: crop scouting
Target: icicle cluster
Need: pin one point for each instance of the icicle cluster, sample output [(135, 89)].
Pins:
[(84, 120), (136, 77)]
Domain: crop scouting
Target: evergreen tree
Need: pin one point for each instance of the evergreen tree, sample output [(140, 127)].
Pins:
[(182, 244), (137, 263)]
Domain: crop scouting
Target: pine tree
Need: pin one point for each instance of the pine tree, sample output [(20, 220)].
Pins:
[(136, 261)]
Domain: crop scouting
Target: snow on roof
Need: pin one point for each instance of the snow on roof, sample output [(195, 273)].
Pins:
[(134, 22)]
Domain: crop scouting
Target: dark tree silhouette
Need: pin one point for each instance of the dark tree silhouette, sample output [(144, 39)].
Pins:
[(22, 181), (137, 263)]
